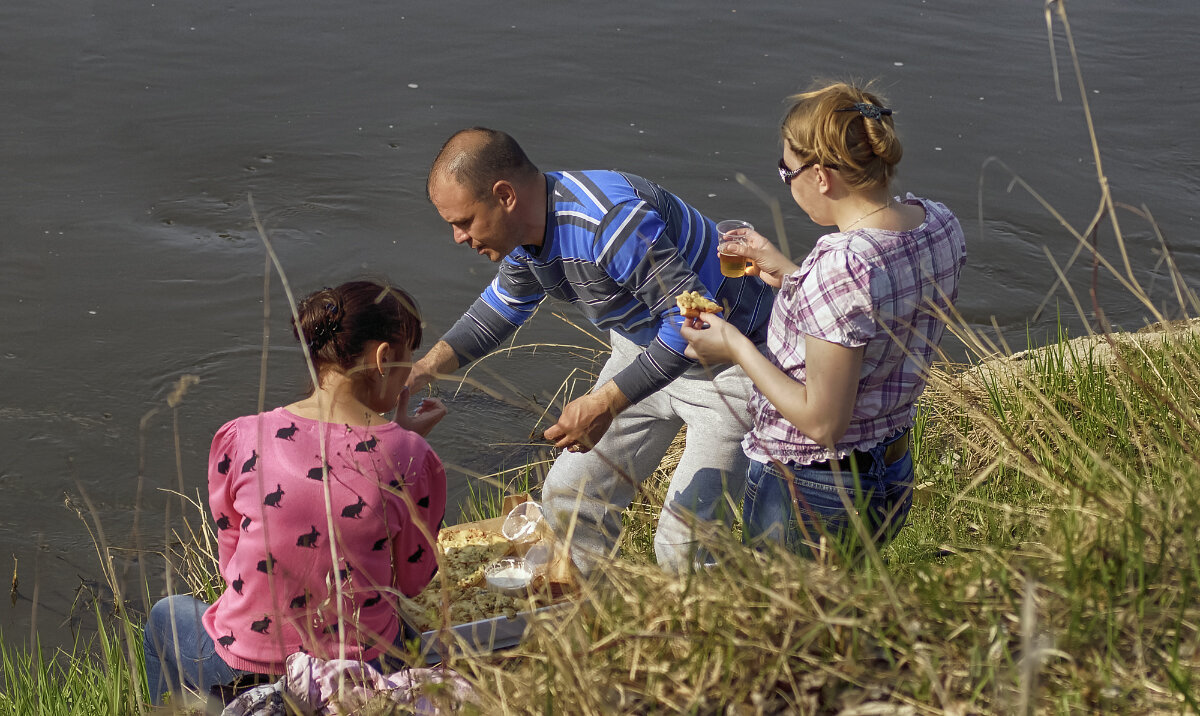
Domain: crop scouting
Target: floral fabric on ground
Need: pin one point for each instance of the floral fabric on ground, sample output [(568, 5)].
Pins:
[(342, 686)]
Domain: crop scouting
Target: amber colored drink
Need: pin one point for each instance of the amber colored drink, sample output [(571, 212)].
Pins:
[(732, 266), (732, 231)]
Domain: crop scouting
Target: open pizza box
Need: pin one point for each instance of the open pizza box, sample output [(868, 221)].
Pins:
[(557, 587)]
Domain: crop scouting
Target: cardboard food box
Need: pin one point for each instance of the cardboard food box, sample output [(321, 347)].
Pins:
[(558, 585)]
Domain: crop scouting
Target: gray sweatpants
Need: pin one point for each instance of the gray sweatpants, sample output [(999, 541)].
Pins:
[(595, 487)]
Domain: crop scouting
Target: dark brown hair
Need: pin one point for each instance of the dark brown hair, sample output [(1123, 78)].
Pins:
[(337, 323)]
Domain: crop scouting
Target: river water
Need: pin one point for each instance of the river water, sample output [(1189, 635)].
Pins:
[(137, 132)]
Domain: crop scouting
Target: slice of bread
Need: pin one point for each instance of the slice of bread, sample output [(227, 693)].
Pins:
[(693, 303)]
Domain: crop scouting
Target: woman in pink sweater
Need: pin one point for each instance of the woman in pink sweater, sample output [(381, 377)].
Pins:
[(325, 510)]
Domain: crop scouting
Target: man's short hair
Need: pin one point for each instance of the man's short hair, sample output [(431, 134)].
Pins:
[(478, 157)]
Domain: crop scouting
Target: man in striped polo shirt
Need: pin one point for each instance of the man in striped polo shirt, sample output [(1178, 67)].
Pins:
[(620, 248)]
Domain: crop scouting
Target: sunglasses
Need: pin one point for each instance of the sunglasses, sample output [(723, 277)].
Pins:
[(787, 175)]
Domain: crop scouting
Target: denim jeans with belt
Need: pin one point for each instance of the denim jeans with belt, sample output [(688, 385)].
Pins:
[(880, 494)]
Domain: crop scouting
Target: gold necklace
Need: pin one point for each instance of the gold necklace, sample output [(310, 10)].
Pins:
[(869, 213)]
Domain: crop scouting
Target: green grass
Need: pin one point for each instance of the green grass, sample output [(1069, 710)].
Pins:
[(92, 678), (485, 498)]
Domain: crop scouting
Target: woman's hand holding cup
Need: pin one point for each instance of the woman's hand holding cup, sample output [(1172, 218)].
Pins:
[(765, 261)]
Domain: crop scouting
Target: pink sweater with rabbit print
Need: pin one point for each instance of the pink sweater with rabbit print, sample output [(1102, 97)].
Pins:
[(282, 513)]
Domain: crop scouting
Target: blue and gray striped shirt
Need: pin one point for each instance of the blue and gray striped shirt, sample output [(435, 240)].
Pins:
[(620, 248)]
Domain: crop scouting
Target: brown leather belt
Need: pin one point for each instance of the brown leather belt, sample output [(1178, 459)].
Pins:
[(863, 460)]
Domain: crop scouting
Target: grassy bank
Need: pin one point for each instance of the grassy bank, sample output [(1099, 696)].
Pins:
[(91, 678), (1051, 565)]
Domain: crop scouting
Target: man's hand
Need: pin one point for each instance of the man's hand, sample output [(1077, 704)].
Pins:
[(428, 414), (585, 420), (420, 377)]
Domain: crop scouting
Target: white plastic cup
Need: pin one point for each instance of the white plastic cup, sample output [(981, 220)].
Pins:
[(732, 231), (521, 524), (538, 558)]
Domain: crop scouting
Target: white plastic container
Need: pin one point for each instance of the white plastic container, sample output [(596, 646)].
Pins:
[(522, 523), (538, 557), (509, 576)]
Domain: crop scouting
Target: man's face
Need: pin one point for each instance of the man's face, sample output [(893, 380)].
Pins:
[(485, 225)]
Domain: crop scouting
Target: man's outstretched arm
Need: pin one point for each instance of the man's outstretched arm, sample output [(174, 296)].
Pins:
[(440, 360)]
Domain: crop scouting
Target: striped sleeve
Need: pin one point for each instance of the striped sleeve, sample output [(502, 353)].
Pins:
[(639, 254), (504, 306)]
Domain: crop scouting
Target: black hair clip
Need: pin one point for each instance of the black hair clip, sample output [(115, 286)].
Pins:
[(324, 331), (870, 111)]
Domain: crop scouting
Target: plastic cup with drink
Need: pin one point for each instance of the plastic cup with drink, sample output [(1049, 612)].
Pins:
[(732, 231)]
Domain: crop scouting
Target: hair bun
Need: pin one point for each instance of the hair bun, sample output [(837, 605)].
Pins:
[(326, 326), (337, 324)]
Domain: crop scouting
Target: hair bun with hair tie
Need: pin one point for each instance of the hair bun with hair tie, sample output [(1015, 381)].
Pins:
[(870, 111), (324, 331)]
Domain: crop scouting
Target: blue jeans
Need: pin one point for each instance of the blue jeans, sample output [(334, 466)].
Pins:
[(177, 647), (179, 653), (880, 495)]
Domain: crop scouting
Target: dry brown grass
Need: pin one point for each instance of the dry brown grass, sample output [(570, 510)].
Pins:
[(1050, 568)]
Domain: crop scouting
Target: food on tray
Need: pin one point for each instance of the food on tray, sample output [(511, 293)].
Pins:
[(456, 539), (693, 303), (464, 554), (466, 605), (463, 557)]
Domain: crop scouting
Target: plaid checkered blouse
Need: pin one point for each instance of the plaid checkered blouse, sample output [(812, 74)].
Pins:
[(887, 291)]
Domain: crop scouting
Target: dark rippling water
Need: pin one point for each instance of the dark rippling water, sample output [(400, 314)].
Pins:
[(134, 133)]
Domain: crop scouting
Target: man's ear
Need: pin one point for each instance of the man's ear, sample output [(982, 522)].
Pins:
[(505, 193)]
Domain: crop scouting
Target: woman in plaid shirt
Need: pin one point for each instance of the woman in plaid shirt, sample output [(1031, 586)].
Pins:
[(852, 333)]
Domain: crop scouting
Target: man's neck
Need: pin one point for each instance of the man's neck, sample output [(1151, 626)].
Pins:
[(539, 205)]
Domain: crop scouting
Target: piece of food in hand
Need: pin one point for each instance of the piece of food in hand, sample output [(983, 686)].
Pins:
[(693, 303)]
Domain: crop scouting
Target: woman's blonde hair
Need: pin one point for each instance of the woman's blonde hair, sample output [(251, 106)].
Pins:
[(843, 126)]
